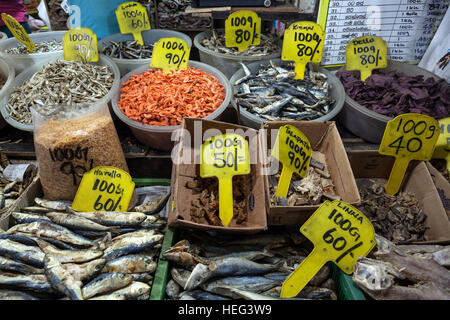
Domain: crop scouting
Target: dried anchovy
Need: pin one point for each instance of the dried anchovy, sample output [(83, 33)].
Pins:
[(128, 50), (61, 82), (171, 15), (41, 47), (398, 218), (269, 44)]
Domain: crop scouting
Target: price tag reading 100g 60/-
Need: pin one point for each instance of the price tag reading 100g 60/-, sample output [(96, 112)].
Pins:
[(223, 157), (365, 54), (133, 18), (407, 137), (170, 53), (242, 29), (340, 233)]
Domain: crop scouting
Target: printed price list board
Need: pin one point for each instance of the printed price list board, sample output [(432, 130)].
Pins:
[(406, 25)]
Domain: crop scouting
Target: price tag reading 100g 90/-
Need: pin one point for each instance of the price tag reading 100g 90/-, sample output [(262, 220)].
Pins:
[(80, 44), (407, 137), (242, 29), (223, 157), (170, 53), (365, 54)]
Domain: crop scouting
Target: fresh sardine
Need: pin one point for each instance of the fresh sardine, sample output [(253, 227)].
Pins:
[(105, 283)]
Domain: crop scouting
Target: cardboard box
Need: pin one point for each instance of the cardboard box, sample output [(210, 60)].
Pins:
[(442, 186), (371, 164), (323, 137), (181, 197)]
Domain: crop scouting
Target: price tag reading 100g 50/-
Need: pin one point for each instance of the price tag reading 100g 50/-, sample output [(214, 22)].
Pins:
[(104, 188), (340, 233), (303, 43), (170, 53), (223, 157), (365, 54), (407, 137), (242, 29)]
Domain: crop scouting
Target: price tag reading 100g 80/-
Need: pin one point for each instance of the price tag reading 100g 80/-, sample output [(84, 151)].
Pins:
[(170, 53), (303, 43), (242, 29), (340, 233), (223, 157), (80, 44), (104, 188), (365, 54), (407, 137)]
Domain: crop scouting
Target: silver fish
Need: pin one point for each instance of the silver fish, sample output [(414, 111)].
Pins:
[(136, 290), (137, 263), (248, 295), (111, 218), (173, 289), (74, 221), (180, 276), (143, 277), (85, 271), (200, 295), (27, 254), (105, 283), (131, 245), (69, 256), (58, 205), (10, 265), (27, 217), (33, 282), (15, 295)]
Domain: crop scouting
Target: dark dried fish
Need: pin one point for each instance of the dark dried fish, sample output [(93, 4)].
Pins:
[(128, 50)]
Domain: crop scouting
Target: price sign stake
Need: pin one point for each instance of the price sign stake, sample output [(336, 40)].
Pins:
[(293, 150), (303, 43), (80, 44), (170, 53), (223, 157), (104, 188), (133, 18), (340, 233), (19, 32), (442, 150), (365, 54), (242, 29), (407, 137)]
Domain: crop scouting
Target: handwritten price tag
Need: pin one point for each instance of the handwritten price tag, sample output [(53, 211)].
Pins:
[(80, 44), (365, 54), (303, 43), (104, 188), (340, 233), (293, 150), (19, 32), (242, 29), (442, 150), (133, 18), (406, 137), (170, 53), (223, 157)]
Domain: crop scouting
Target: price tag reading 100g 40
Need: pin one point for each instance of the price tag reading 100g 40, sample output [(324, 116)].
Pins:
[(408, 136), (303, 43), (340, 233), (365, 54), (170, 53), (223, 157), (242, 29)]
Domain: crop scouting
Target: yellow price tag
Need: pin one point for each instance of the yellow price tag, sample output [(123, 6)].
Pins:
[(242, 29), (442, 150), (407, 137), (170, 53), (293, 150), (225, 156), (104, 188), (303, 43), (365, 54), (340, 233), (19, 32), (80, 44), (133, 18)]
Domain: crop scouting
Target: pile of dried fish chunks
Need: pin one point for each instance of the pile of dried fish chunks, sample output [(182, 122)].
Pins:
[(128, 50), (53, 252), (272, 93), (41, 47), (249, 267)]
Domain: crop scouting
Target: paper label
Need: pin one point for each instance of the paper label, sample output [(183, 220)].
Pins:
[(340, 233), (18, 32), (104, 188), (242, 29), (80, 44), (303, 43), (442, 150), (133, 18), (365, 54), (170, 53)]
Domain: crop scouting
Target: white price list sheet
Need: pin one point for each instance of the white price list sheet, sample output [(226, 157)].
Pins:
[(406, 25)]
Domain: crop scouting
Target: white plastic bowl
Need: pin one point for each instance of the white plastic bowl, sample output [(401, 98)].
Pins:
[(4, 36), (7, 72)]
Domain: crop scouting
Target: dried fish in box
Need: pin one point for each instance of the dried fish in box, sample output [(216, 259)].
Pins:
[(41, 47), (172, 15), (128, 50)]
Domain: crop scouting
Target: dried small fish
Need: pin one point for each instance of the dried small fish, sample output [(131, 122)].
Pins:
[(41, 47), (172, 15), (128, 50)]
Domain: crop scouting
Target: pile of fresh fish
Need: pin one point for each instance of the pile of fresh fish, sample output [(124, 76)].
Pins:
[(269, 44), (316, 187), (272, 93), (404, 272), (60, 82), (128, 50), (41, 47), (246, 267), (398, 218), (54, 252), (172, 15)]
